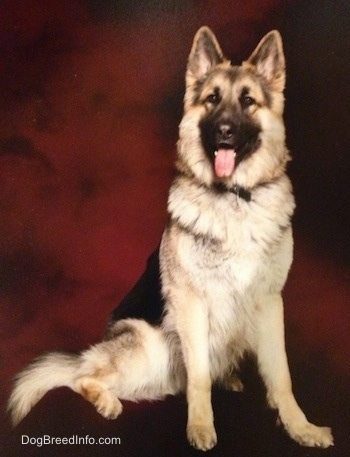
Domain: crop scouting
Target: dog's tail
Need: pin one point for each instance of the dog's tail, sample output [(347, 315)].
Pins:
[(47, 372)]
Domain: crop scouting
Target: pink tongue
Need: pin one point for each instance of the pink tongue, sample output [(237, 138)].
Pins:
[(224, 162)]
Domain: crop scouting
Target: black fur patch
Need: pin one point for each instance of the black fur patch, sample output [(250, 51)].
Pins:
[(145, 300)]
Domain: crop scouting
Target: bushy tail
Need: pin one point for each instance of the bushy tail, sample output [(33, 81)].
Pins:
[(43, 374)]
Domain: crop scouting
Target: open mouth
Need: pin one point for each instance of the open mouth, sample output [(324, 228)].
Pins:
[(226, 149), (228, 155)]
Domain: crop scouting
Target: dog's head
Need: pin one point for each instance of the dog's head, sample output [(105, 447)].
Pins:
[(232, 130)]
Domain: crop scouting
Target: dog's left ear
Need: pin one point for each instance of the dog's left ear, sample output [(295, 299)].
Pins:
[(268, 60)]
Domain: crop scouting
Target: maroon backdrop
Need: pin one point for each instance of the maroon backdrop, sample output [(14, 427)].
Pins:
[(90, 99)]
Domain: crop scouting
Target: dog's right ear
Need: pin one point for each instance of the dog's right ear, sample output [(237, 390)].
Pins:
[(205, 54)]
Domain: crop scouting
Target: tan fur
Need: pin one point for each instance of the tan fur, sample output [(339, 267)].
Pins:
[(224, 262)]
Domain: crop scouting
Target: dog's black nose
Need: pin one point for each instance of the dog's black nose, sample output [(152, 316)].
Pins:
[(224, 132)]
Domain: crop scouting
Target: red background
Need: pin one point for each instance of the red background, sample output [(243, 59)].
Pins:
[(90, 100)]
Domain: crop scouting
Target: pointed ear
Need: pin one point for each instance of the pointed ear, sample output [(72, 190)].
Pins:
[(205, 54), (268, 60)]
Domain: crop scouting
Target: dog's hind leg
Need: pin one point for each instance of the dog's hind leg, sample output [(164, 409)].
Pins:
[(132, 364)]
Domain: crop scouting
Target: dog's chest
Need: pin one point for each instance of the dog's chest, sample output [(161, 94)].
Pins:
[(226, 250), (224, 245)]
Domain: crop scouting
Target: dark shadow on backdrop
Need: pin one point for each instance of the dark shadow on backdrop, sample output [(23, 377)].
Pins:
[(317, 44)]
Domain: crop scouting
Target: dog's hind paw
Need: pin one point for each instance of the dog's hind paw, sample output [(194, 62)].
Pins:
[(233, 383), (311, 435), (202, 437), (110, 408), (105, 402)]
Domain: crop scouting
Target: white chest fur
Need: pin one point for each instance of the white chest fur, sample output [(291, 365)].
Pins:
[(223, 235)]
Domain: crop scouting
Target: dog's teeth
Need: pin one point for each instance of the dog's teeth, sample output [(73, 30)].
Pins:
[(215, 153)]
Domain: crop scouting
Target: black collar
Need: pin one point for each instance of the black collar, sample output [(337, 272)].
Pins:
[(241, 192)]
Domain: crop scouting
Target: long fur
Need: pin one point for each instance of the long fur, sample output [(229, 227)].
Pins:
[(46, 373), (224, 258)]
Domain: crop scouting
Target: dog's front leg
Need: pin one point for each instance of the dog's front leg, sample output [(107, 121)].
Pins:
[(273, 366), (193, 330)]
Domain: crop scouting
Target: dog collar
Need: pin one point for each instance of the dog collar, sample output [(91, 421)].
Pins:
[(241, 192)]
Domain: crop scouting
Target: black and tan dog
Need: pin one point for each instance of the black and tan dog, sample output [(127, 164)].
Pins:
[(224, 258)]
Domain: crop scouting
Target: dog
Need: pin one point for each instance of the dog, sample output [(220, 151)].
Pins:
[(224, 258)]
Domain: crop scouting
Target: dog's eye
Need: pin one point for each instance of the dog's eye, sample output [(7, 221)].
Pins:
[(213, 98), (247, 100)]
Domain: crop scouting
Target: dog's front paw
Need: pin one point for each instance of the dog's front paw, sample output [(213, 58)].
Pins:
[(310, 435), (202, 437)]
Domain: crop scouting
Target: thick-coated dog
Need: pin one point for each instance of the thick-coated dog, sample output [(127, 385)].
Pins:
[(224, 258)]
